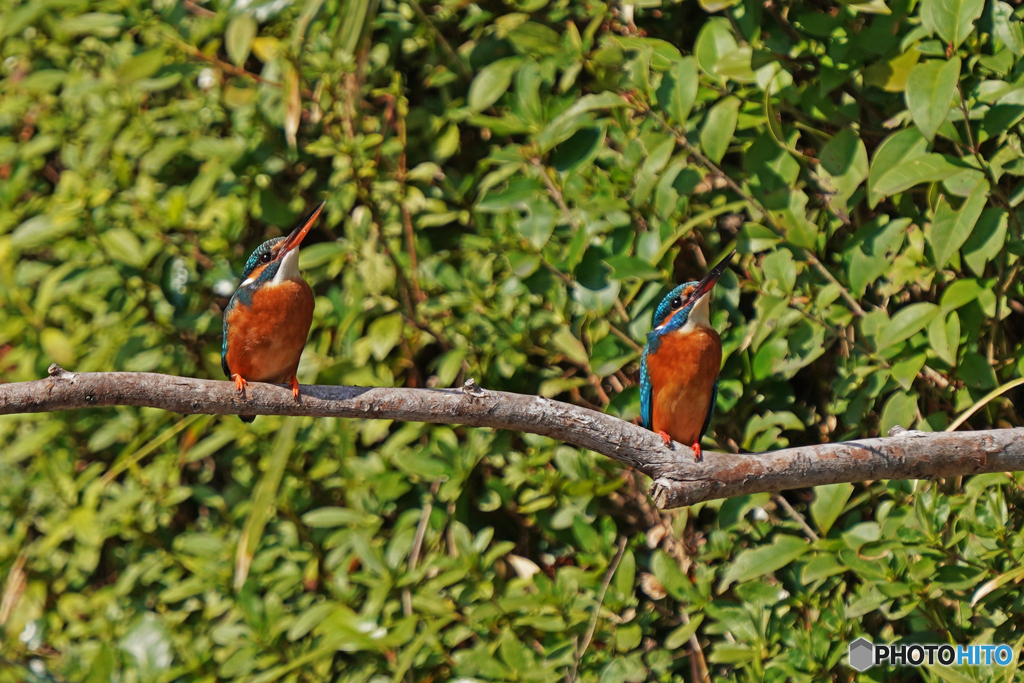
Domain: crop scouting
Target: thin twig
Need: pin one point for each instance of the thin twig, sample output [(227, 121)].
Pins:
[(555, 193), (464, 70), (231, 68), (626, 338), (595, 383), (782, 20), (998, 391), (597, 609), (410, 237), (192, 7), (796, 516), (700, 662), (221, 64), (417, 544), (843, 292)]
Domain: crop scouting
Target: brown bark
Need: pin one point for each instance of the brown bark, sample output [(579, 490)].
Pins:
[(678, 479)]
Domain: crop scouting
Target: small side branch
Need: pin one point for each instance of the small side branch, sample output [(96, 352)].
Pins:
[(678, 479)]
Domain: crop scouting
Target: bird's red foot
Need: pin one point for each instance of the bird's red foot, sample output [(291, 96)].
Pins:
[(696, 451), (664, 435), (295, 387), (239, 382)]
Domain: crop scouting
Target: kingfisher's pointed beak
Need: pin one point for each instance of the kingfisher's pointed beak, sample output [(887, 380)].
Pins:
[(296, 236), (705, 285)]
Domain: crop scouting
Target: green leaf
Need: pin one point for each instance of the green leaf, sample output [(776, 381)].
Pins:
[(579, 150), (780, 269), (820, 567), (829, 502), (755, 237), (907, 322), (539, 222), (573, 118), (652, 168), (567, 343), (953, 20), (900, 409), (96, 23), (679, 89), (310, 619), (930, 92), (536, 39), (976, 372), (238, 38), (142, 65), (938, 342), (731, 653), (996, 583), (892, 75), (923, 169), (384, 334), (681, 636), (959, 293), (951, 227), (514, 196), (672, 578), (57, 347), (953, 335), (626, 267), (492, 82), (986, 240), (905, 371), (735, 65), (40, 229), (872, 250), (1007, 27), (122, 245), (550, 388), (714, 41), (843, 166), (861, 534), (711, 6), (719, 127), (755, 562), (328, 517), (902, 146)]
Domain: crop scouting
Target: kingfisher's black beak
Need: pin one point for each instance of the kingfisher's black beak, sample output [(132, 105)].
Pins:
[(296, 236), (706, 284)]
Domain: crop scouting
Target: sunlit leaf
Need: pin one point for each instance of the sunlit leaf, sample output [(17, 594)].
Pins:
[(930, 91)]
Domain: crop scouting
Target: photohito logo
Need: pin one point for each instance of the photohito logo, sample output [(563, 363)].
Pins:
[(864, 654)]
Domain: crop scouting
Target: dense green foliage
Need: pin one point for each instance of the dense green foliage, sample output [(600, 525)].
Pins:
[(510, 189)]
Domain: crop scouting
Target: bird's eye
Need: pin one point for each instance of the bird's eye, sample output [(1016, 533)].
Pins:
[(677, 302), (265, 257)]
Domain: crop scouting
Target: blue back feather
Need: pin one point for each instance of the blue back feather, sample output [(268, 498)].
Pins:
[(646, 391)]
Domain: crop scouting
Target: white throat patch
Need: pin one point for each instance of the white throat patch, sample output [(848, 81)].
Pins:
[(699, 314), (289, 268)]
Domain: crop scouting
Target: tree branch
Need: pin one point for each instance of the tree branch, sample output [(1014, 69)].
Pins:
[(678, 479)]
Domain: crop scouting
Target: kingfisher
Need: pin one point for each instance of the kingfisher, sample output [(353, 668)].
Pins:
[(680, 363), (267, 320)]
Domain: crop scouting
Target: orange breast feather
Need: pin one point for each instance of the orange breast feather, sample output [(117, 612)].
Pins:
[(683, 373), (266, 340)]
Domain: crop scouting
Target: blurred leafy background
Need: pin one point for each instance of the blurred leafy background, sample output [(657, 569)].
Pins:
[(511, 186)]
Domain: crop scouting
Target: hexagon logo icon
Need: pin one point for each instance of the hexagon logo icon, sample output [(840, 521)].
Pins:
[(862, 654)]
